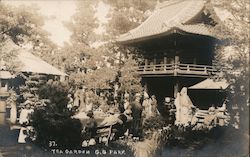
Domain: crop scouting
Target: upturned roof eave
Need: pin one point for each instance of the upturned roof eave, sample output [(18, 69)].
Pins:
[(174, 30), (191, 12)]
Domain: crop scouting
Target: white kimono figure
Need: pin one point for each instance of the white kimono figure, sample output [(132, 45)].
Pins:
[(147, 108), (13, 113), (178, 109), (186, 107)]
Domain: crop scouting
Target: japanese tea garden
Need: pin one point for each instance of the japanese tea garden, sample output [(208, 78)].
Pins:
[(153, 79)]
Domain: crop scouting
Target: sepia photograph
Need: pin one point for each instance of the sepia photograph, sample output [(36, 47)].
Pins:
[(124, 78)]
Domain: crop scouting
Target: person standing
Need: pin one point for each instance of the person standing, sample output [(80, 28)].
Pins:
[(127, 105), (24, 120), (13, 113), (146, 104), (77, 98), (13, 109), (169, 106), (137, 115), (186, 107), (154, 109)]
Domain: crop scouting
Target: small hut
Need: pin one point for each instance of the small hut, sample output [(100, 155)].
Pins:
[(27, 67)]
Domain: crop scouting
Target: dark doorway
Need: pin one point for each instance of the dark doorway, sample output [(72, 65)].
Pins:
[(163, 87)]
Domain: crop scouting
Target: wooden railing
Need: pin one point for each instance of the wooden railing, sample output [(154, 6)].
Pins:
[(3, 93), (177, 70)]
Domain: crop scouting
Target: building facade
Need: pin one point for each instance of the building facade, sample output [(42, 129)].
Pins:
[(177, 46)]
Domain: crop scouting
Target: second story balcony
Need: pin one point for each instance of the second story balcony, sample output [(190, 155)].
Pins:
[(176, 69)]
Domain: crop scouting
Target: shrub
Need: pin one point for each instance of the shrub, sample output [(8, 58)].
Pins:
[(53, 122)]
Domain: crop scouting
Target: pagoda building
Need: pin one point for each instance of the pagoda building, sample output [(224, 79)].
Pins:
[(177, 47)]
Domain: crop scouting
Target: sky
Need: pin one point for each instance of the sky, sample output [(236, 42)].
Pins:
[(60, 11)]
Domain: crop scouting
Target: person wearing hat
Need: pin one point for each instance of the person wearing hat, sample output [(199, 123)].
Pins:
[(137, 115), (25, 113), (170, 110)]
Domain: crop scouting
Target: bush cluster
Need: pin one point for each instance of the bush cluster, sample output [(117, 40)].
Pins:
[(53, 122)]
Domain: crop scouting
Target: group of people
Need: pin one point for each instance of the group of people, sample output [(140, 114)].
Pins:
[(81, 100), (136, 108), (140, 108), (187, 114)]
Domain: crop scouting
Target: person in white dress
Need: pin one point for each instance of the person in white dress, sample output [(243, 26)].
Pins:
[(147, 108), (184, 108), (24, 120)]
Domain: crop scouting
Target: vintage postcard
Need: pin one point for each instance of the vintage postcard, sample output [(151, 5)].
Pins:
[(124, 78)]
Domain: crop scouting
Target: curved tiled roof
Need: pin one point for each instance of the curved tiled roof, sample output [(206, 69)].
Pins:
[(211, 84), (170, 15), (30, 62), (5, 75)]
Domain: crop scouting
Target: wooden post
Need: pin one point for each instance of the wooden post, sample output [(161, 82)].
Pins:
[(176, 87), (146, 61), (176, 59), (146, 64), (165, 60), (154, 59), (195, 61), (176, 65)]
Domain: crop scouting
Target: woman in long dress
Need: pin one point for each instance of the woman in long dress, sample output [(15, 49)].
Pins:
[(24, 120), (154, 109), (186, 107), (147, 108)]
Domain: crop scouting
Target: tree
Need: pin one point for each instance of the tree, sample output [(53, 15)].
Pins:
[(97, 67), (233, 54), (23, 25), (126, 15), (83, 23), (8, 55), (130, 80), (75, 54)]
